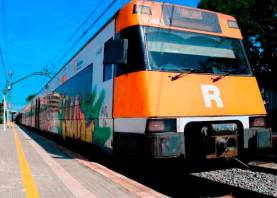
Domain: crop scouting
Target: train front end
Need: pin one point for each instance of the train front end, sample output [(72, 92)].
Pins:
[(187, 88)]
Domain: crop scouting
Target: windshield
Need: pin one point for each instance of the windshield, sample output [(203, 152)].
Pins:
[(171, 50)]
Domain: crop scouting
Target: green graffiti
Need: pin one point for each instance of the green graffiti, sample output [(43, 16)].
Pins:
[(91, 106), (101, 135), (85, 124)]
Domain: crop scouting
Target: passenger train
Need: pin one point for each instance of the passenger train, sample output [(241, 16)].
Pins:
[(158, 80)]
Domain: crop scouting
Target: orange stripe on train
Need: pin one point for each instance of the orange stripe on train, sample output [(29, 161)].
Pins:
[(147, 94)]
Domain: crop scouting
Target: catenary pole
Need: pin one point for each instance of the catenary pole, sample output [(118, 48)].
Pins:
[(4, 112)]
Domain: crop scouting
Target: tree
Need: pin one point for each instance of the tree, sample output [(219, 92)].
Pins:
[(258, 22), (30, 97)]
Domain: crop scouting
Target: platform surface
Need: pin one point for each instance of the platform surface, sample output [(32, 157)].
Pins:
[(32, 166)]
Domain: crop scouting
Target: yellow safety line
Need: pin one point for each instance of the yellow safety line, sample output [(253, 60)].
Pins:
[(29, 184)]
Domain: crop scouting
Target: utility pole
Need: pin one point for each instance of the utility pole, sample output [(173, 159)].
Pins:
[(9, 87), (4, 110), (11, 84)]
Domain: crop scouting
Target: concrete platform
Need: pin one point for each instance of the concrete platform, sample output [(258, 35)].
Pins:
[(32, 166)]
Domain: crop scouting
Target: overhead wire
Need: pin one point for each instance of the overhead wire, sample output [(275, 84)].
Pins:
[(3, 64), (74, 33), (5, 31), (85, 32), (3, 48)]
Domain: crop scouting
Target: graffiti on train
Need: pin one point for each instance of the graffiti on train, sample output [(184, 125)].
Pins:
[(79, 118)]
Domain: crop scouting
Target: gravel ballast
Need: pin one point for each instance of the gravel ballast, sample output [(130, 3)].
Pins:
[(259, 182)]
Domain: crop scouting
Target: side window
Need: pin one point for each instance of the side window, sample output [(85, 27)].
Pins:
[(108, 72)]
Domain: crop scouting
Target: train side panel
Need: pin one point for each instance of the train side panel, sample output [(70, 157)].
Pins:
[(77, 102)]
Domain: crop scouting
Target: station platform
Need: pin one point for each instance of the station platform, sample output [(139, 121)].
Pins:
[(33, 166)]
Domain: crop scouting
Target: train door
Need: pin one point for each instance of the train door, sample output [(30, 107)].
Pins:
[(37, 113), (31, 114), (103, 76), (106, 120)]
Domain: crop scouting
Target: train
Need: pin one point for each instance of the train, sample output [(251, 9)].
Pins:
[(159, 80)]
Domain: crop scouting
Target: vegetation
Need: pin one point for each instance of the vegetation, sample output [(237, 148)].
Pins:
[(30, 97)]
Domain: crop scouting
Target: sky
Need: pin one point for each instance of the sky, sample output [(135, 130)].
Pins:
[(34, 35)]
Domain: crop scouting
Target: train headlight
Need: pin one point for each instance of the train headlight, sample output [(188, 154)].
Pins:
[(142, 9), (161, 125), (233, 24), (257, 122)]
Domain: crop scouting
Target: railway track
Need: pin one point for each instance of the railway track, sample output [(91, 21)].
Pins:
[(262, 166), (242, 183)]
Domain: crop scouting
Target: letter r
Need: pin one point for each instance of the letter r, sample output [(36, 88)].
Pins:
[(211, 93)]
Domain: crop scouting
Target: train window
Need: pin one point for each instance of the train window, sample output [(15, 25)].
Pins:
[(108, 72), (171, 50), (72, 86), (136, 59)]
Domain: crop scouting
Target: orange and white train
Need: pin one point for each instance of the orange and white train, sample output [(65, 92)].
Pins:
[(158, 80)]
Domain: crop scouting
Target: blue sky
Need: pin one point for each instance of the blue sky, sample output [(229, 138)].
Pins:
[(36, 32)]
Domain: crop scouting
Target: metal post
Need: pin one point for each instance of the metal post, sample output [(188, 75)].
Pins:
[(9, 87), (7, 115), (4, 112)]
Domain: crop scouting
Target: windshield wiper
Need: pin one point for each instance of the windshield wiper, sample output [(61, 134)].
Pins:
[(186, 72), (220, 76)]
